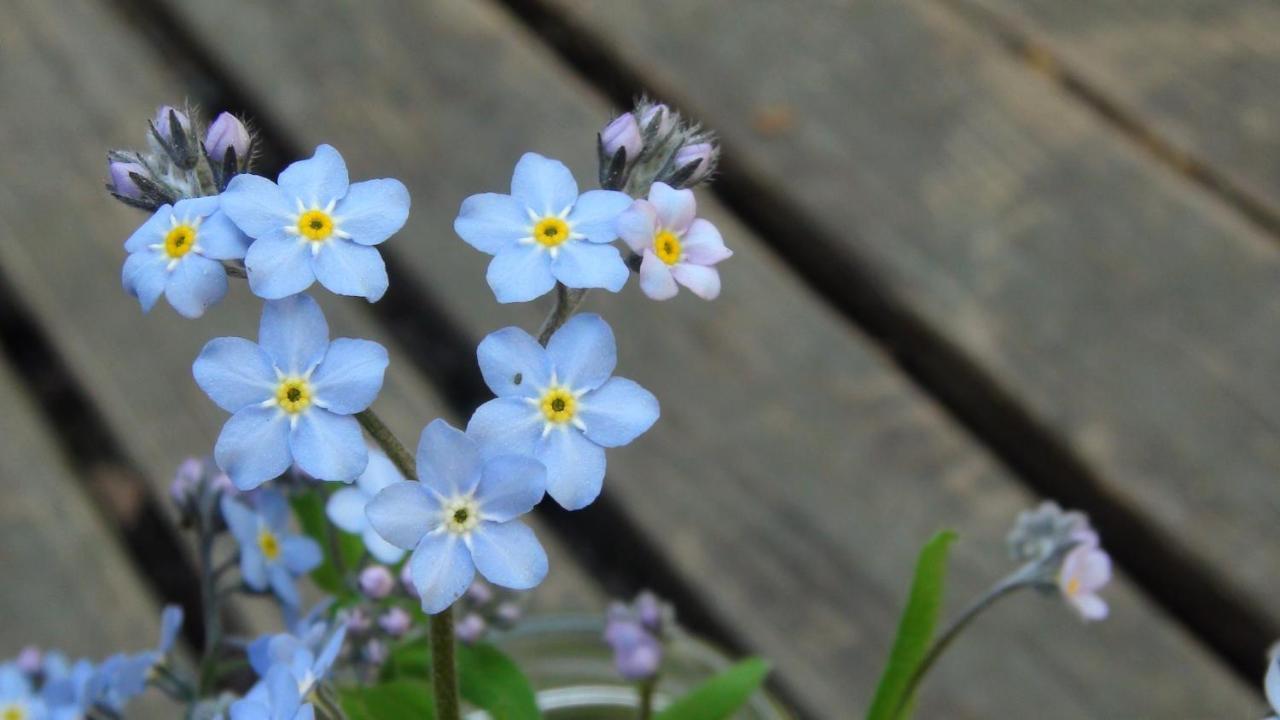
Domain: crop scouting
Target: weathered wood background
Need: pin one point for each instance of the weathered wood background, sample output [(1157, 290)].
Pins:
[(987, 251)]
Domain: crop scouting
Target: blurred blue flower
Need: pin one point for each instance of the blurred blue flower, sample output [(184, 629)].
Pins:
[(462, 517), (292, 394), (280, 699), (308, 663), (178, 252), (314, 225), (17, 698), (544, 231), (122, 677), (271, 555), (346, 506), (560, 405)]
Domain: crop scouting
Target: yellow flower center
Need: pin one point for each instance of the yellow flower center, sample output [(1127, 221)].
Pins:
[(13, 712), (269, 544), (1073, 587), (293, 395), (667, 247), (461, 515), (315, 225), (558, 405), (551, 232), (177, 242)]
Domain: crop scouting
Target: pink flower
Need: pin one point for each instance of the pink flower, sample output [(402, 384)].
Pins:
[(675, 247), (1085, 570)]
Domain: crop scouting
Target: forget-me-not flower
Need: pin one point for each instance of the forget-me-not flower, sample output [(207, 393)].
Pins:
[(1085, 570), (307, 661), (293, 394), (545, 231), (675, 247), (280, 699), (313, 225), (271, 555), (346, 506), (463, 517), (560, 404), (66, 687), (178, 253), (18, 701), (122, 677)]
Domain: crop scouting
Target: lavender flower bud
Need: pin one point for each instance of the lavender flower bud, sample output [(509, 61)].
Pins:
[(636, 653), (406, 579), (622, 133), (121, 183), (375, 652), (358, 621), (480, 593), (470, 628), (698, 160), (226, 132), (164, 125), (186, 482), (376, 582), (395, 622), (29, 660), (648, 610), (509, 612)]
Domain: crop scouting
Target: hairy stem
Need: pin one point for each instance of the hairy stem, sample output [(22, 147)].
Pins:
[(210, 599), (387, 440), (444, 669), (567, 302), (647, 688)]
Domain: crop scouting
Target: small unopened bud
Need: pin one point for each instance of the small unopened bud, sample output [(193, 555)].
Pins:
[(693, 164), (164, 121), (375, 652), (656, 120), (29, 660), (622, 133), (479, 593), (376, 582), (636, 654), (226, 132), (508, 612), (121, 182), (186, 482), (406, 579), (358, 621), (395, 622), (648, 611), (470, 628)]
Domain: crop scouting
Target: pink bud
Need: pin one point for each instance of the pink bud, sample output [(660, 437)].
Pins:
[(622, 132), (226, 131), (375, 651), (29, 659), (479, 592), (704, 153), (376, 582), (358, 621), (470, 628), (395, 622), (122, 183), (162, 121)]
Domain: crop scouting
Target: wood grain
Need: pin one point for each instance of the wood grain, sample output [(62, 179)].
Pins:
[(794, 472)]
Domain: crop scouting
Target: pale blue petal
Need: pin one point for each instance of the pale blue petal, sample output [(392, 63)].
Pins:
[(195, 284), (508, 554), (152, 231), (618, 412), (328, 446), (306, 712), (520, 273), (253, 446), (282, 690), (253, 566), (675, 208), (638, 224), (278, 266), (350, 376), (544, 185), (403, 513), (282, 585), (513, 363), (575, 467), (256, 206), (294, 333), (329, 653), (380, 549), (144, 276), (380, 473), (242, 521), (189, 209), (583, 265), (300, 554), (249, 709), (373, 210), (272, 507), (510, 485), (316, 180), (170, 624), (506, 426), (490, 222), (442, 570), (596, 214), (220, 239), (448, 460), (583, 352), (346, 268), (346, 507)]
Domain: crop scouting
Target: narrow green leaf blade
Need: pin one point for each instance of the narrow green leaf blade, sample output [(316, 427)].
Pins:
[(721, 696), (490, 680), (915, 630)]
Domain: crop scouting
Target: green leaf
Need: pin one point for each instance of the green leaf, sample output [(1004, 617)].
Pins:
[(915, 630), (395, 700), (720, 696), (409, 660), (491, 681), (309, 509)]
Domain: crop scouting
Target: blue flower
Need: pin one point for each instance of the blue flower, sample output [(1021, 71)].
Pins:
[(560, 405), (292, 394), (346, 506), (280, 700), (17, 699), (122, 677), (307, 659), (271, 556), (178, 252), (66, 688), (313, 225), (462, 517), (544, 231)]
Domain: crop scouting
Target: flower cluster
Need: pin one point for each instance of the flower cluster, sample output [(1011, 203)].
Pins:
[(1061, 553), (637, 632)]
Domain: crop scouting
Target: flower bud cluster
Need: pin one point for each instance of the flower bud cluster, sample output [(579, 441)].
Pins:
[(637, 633), (653, 143), (485, 607), (1061, 554), (184, 159), (196, 489)]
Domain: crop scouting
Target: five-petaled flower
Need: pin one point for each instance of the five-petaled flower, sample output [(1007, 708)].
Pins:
[(545, 231), (314, 225), (17, 700), (271, 555), (280, 699), (1085, 570), (462, 517), (560, 404), (308, 659), (675, 246), (178, 252), (346, 506), (293, 394)]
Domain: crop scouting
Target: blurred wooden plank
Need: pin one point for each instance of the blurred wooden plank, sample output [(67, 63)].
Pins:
[(1201, 73), (794, 473), (1127, 310), (60, 244)]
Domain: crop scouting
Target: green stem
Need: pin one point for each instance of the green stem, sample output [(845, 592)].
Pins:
[(647, 688), (386, 440), (210, 599), (567, 303), (444, 669)]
